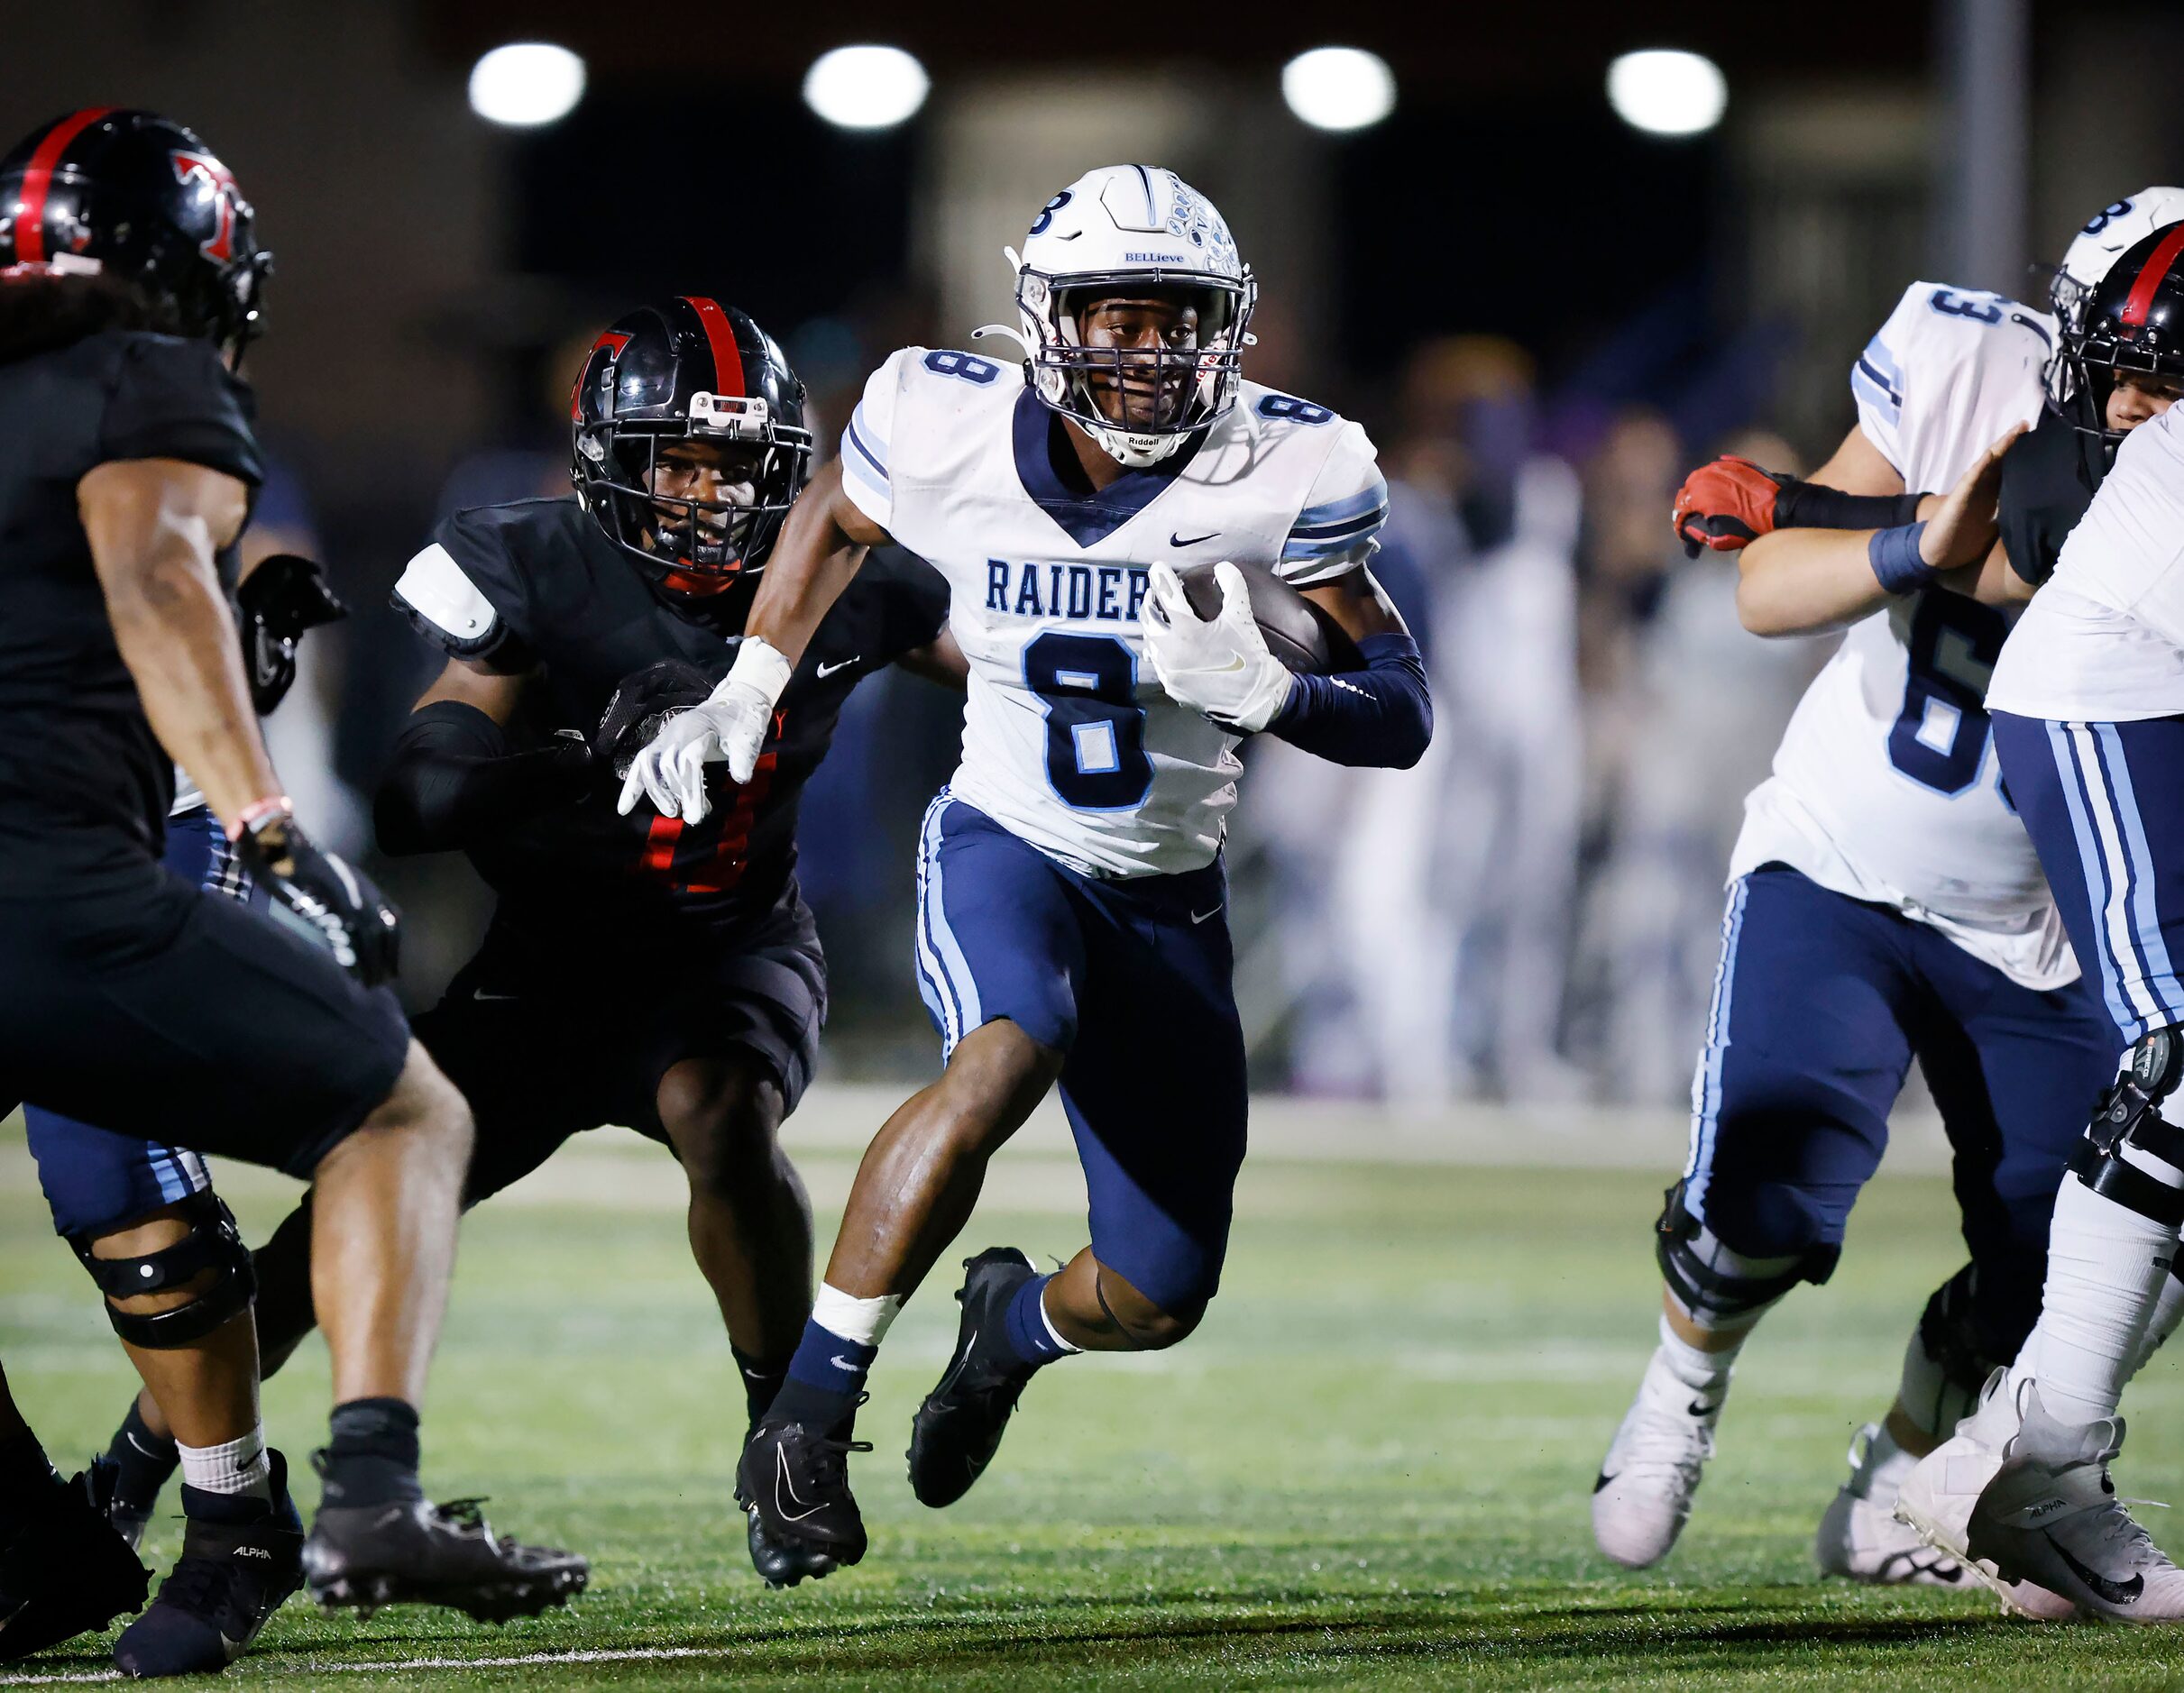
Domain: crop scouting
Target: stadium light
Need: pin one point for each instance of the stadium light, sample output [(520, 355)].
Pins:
[(1339, 87), (866, 88), (526, 84), (1664, 91)]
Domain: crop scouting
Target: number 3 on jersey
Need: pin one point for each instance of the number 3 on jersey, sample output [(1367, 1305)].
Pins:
[(1096, 733), (1940, 738)]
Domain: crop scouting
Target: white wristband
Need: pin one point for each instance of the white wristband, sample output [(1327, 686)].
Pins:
[(760, 667)]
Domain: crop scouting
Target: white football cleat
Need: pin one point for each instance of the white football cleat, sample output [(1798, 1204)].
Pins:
[(2050, 1516), (1936, 1498), (1643, 1496), (1860, 1537)]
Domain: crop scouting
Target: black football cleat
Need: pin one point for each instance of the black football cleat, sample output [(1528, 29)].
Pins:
[(410, 1552), (66, 1572), (796, 1485), (958, 1430), (230, 1578)]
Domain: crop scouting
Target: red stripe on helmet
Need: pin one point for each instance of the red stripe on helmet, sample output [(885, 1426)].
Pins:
[(38, 181), (2141, 300), (721, 335)]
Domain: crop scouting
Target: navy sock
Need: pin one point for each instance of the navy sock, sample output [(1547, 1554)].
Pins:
[(826, 1379), (372, 1457), (1024, 1331), (144, 1461), (762, 1379), (231, 1509)]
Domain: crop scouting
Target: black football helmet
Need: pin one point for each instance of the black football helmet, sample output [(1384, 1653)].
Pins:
[(133, 196), (687, 370), (2131, 324)]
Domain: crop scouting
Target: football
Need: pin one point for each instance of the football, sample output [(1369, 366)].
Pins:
[(1299, 633)]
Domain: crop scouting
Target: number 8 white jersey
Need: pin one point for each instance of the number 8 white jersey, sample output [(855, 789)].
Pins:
[(1068, 741), (1885, 786)]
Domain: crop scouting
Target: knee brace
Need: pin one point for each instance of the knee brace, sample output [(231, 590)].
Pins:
[(212, 1244), (1719, 1287), (2128, 1118)]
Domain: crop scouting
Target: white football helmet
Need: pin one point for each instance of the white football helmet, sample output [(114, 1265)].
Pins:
[(1132, 229)]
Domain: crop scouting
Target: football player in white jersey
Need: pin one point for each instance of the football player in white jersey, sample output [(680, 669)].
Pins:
[(1071, 910), (2087, 707), (1884, 902)]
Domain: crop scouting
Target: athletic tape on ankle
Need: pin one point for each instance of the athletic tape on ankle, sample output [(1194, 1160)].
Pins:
[(863, 1320)]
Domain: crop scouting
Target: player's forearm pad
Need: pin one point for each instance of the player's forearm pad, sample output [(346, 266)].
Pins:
[(1382, 715), (1811, 506), (453, 779)]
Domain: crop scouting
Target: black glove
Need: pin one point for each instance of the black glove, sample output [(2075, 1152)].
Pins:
[(643, 702), (325, 899), (280, 600)]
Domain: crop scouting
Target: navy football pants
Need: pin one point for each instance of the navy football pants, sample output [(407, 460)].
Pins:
[(1820, 1002), (1130, 978), (2104, 804)]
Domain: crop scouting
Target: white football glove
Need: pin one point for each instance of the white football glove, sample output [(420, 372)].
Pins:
[(1219, 666), (730, 727)]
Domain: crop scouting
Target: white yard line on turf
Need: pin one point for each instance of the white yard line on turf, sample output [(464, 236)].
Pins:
[(396, 1666)]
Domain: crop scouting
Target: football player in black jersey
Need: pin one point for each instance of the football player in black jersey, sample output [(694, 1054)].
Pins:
[(131, 998), (637, 970)]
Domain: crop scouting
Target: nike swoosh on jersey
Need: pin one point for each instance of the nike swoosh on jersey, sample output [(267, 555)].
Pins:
[(1175, 540), (2114, 1592), (828, 670)]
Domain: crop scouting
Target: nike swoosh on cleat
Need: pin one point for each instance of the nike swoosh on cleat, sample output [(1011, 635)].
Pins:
[(781, 1480), (1699, 1408), (1603, 1479), (2114, 1592)]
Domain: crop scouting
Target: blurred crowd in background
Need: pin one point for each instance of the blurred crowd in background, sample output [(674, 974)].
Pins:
[(1543, 313)]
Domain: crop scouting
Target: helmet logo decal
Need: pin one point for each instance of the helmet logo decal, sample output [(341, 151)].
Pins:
[(614, 344), (1046, 212), (220, 245)]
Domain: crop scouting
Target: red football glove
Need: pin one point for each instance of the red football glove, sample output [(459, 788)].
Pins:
[(1725, 505)]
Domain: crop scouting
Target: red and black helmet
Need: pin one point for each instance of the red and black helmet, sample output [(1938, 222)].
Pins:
[(133, 196), (688, 370), (2133, 325)]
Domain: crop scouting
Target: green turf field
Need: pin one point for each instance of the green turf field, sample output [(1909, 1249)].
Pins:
[(1369, 1467)]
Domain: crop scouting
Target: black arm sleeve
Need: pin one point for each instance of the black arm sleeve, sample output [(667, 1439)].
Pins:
[(453, 779), (1803, 504)]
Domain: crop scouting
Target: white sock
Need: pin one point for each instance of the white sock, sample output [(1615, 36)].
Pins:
[(1887, 1464), (863, 1320), (236, 1466), (2106, 1268), (2168, 1312), (1702, 1372)]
